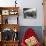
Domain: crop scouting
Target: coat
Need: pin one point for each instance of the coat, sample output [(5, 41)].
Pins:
[(29, 33)]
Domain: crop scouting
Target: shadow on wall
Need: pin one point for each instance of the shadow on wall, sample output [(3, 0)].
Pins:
[(37, 29)]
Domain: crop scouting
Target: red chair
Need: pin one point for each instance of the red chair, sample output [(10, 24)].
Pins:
[(29, 33)]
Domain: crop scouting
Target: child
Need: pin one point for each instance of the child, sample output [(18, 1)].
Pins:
[(30, 39)]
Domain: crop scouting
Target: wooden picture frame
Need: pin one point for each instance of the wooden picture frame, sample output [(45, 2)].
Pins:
[(0, 36), (0, 19)]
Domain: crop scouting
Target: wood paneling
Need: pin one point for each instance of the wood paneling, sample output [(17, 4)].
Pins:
[(10, 26), (44, 8), (10, 43)]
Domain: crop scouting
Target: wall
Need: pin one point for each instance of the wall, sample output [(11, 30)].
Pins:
[(32, 4), (27, 4), (39, 21)]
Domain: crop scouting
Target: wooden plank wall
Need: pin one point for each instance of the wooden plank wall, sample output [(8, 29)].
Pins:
[(44, 8)]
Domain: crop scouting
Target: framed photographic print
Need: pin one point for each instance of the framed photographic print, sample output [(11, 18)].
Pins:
[(13, 12), (12, 20), (5, 12), (29, 12), (6, 34), (5, 20)]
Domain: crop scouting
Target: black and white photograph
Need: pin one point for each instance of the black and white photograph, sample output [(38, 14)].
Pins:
[(29, 12)]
